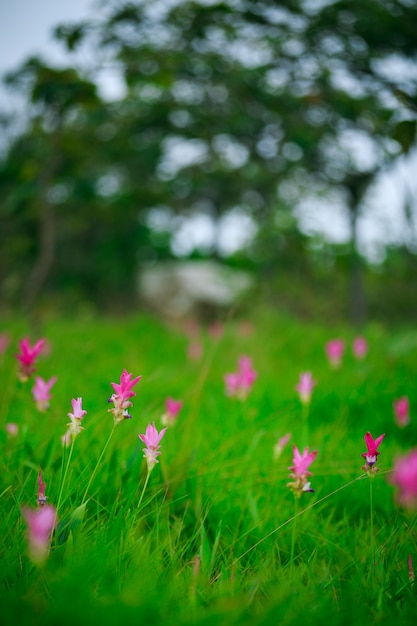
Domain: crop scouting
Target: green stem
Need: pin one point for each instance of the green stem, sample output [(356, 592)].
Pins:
[(144, 489), (98, 464), (371, 509), (294, 530), (304, 424), (64, 473)]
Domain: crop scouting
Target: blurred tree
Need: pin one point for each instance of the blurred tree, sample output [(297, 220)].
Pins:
[(236, 103)]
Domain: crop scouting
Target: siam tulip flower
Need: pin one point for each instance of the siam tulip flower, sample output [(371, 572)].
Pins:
[(42, 392), (40, 524), (240, 383), (300, 471), (360, 347), (402, 411), (305, 387), (27, 358), (195, 351), (151, 439), (120, 399), (12, 429), (405, 478), (173, 407), (4, 342), (216, 330), (280, 445), (335, 349), (78, 413), (41, 497), (372, 453)]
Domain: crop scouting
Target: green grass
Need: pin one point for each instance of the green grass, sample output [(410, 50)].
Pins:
[(211, 542)]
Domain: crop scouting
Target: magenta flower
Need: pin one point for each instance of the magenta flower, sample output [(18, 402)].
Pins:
[(405, 478), (305, 387), (12, 429), (41, 497), (372, 453), (27, 357), (360, 347), (402, 411), (152, 439), (74, 426), (173, 407), (122, 395), (40, 524), (240, 383), (300, 471), (335, 349), (42, 392), (280, 445)]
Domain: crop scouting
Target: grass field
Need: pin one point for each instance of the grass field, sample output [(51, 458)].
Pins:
[(217, 536)]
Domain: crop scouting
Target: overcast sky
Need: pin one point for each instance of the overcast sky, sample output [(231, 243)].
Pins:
[(26, 28)]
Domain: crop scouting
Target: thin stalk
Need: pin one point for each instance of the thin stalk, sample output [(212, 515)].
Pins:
[(371, 511), (305, 431), (98, 463), (144, 488), (294, 530), (64, 472)]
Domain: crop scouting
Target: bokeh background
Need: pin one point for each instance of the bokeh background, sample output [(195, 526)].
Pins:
[(189, 156)]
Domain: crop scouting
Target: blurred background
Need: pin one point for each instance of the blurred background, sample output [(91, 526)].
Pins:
[(192, 156)]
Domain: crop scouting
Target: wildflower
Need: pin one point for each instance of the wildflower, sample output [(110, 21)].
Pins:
[(334, 350), (12, 429), (27, 357), (305, 387), (240, 383), (42, 392), (40, 524), (300, 471), (74, 426), (195, 351), (216, 330), (120, 399), (402, 411), (151, 439), (405, 478), (372, 453), (280, 445), (173, 407), (360, 347), (41, 497)]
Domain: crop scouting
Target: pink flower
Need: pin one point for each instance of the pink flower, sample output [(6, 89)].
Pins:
[(280, 445), (12, 429), (405, 478), (372, 453), (41, 497), (216, 330), (173, 407), (40, 524), (27, 357), (152, 439), (300, 471), (195, 351), (335, 349), (402, 411), (120, 399), (42, 392), (78, 413), (240, 383), (305, 387), (360, 347)]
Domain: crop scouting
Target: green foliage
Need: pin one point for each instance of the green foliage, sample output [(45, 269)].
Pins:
[(211, 540)]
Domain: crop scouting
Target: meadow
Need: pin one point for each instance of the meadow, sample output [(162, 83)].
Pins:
[(212, 534)]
